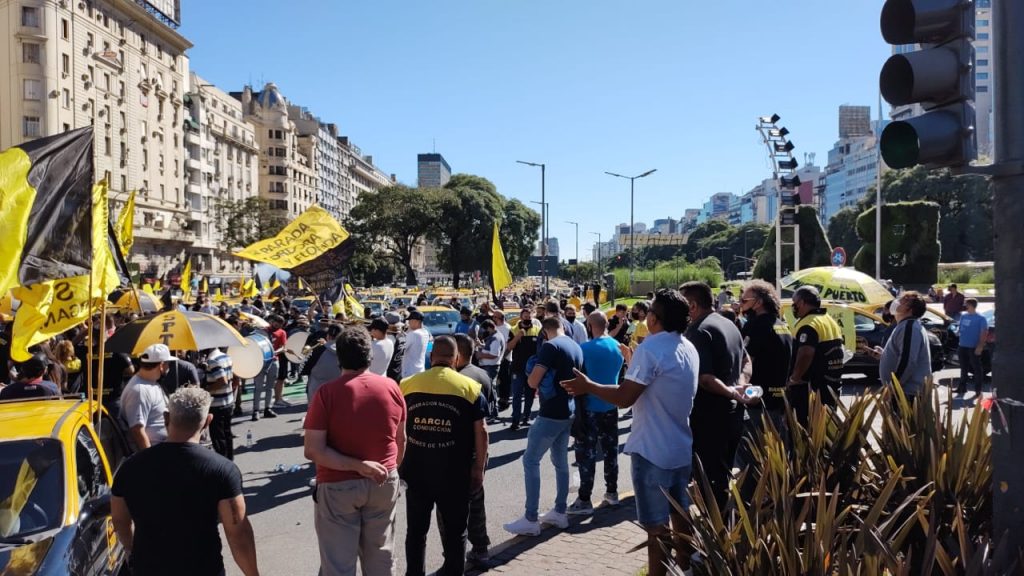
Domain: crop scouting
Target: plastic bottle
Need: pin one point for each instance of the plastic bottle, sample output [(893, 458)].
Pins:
[(754, 392), (248, 439)]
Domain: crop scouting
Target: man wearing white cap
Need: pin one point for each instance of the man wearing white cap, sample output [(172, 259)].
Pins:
[(143, 402)]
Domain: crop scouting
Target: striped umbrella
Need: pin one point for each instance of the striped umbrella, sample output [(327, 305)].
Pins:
[(136, 301), (177, 330)]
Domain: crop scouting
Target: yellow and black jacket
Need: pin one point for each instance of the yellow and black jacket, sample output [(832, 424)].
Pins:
[(821, 331)]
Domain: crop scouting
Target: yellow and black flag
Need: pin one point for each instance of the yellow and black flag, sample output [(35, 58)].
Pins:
[(46, 209)]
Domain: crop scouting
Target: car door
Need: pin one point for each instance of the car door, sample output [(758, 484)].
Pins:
[(95, 549)]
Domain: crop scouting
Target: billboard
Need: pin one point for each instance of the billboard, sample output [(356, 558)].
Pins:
[(169, 9)]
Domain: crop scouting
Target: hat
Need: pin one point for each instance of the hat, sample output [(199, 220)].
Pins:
[(465, 311), (415, 315), (393, 318), (155, 353)]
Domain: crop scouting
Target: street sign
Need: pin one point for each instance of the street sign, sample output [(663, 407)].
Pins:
[(838, 257)]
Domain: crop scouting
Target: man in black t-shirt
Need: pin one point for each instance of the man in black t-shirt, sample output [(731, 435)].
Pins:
[(167, 500), (117, 370), (717, 415), (524, 346)]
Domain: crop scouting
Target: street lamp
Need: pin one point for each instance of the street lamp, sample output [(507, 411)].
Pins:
[(632, 222), (576, 271), (598, 234), (543, 224)]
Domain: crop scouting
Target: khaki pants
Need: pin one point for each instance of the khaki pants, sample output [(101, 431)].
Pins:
[(356, 519)]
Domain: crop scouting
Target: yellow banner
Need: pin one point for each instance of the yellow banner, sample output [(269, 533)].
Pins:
[(501, 278), (307, 237), (125, 223)]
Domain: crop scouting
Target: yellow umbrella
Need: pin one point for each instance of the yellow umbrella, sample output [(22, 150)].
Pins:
[(177, 330), (838, 284), (136, 301)]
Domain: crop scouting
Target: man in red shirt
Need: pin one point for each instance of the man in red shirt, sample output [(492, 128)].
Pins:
[(355, 434), (278, 339)]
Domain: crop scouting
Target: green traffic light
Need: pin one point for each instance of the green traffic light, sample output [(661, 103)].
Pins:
[(900, 145)]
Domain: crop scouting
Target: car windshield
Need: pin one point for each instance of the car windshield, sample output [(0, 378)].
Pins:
[(403, 302), (990, 316), (440, 319), (31, 487), (302, 305)]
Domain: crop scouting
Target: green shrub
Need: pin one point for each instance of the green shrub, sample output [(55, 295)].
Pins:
[(668, 275), (910, 240), (956, 275), (814, 247), (984, 277)]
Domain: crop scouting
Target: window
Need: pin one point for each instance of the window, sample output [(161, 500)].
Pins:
[(91, 74), (88, 40), (106, 145), (981, 89), (982, 75), (65, 28), (982, 35), (33, 89), (66, 98), (982, 49), (65, 64), (30, 16), (67, 127), (30, 53), (30, 126), (145, 158), (92, 478), (124, 188), (982, 63), (124, 123), (106, 82), (982, 23), (120, 88)]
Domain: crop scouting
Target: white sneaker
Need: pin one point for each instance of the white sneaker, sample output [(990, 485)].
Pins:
[(611, 498), (580, 508), (282, 403), (556, 519), (523, 527)]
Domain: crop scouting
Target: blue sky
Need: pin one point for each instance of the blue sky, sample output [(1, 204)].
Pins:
[(583, 86)]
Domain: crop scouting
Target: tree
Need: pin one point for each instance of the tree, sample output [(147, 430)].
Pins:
[(584, 272), (519, 234), (244, 222), (814, 247), (735, 245), (394, 219), (842, 231), (463, 222), (910, 246)]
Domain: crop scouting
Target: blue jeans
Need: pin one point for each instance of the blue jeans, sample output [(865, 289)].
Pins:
[(263, 383), (652, 507), (519, 389), (546, 434)]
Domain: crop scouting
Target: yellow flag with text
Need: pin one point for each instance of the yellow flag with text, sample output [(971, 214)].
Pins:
[(50, 308), (125, 223), (501, 278), (309, 236)]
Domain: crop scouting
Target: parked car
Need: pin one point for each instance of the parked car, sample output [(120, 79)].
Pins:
[(56, 471), (439, 320)]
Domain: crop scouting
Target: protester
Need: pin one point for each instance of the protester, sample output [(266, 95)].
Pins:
[(143, 402), (66, 356), (466, 324), (278, 339), (322, 364), (446, 458), (618, 325), (166, 500), (219, 383), (717, 418), (30, 382), (639, 316), (817, 354), (503, 387), (416, 340), (953, 302), (557, 357), (477, 524), (576, 329), (489, 357), (524, 346), (261, 384), (397, 338), (355, 434), (180, 373), (383, 347), (973, 332), (659, 385), (906, 357), (770, 346), (602, 362)]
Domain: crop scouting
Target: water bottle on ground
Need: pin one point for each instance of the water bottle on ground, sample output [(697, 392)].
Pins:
[(248, 439)]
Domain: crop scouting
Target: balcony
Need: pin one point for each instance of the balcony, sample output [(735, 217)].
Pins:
[(193, 188), (193, 163)]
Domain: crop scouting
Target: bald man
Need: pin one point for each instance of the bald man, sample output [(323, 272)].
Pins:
[(445, 456)]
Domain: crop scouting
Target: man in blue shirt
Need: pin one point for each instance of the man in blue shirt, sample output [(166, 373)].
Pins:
[(973, 335), (466, 323), (602, 362)]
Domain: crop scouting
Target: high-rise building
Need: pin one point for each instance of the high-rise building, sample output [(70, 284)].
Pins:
[(221, 165), (852, 170), (432, 171), (319, 141), (119, 66), (854, 121)]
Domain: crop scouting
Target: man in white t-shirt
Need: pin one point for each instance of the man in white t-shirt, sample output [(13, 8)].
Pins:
[(382, 348), (659, 385), (503, 387), (143, 402), (414, 359)]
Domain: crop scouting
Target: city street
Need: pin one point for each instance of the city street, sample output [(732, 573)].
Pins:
[(281, 509)]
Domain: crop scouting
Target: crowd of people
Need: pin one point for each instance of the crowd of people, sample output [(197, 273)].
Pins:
[(393, 410)]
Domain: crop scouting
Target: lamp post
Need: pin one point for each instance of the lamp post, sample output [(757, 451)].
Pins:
[(632, 222), (598, 234), (576, 270), (725, 269), (543, 224)]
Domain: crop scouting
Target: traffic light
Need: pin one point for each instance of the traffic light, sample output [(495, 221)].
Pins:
[(939, 76)]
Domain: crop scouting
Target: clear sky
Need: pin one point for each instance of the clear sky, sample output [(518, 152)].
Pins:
[(584, 86)]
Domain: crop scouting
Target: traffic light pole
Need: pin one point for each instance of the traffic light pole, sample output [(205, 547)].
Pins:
[(1008, 213)]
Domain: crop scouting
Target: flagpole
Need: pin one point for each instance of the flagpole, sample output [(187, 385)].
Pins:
[(103, 314)]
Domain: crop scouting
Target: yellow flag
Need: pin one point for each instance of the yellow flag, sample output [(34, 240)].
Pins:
[(157, 285), (125, 223), (249, 289), (353, 309), (302, 287), (186, 278), (218, 296), (50, 308), (147, 288), (501, 278), (275, 284), (307, 237), (204, 286)]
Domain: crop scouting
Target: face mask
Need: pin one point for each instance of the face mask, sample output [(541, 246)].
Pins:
[(893, 307), (634, 315), (570, 318)]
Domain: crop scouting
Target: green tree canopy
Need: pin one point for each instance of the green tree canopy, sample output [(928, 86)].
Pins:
[(814, 247), (463, 223), (393, 221), (244, 222), (519, 234), (842, 231)]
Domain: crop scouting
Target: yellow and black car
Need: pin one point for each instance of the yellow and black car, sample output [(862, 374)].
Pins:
[(56, 470)]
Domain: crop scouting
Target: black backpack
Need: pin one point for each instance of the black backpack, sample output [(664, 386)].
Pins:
[(395, 367)]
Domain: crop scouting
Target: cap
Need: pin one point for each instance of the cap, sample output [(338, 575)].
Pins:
[(415, 315), (465, 311), (393, 318), (156, 353)]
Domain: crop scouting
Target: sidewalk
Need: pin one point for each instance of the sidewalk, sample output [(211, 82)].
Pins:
[(594, 545)]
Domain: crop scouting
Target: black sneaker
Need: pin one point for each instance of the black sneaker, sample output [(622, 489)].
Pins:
[(514, 426), (268, 413), (255, 416)]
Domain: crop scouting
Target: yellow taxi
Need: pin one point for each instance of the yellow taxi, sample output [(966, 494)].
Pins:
[(56, 471)]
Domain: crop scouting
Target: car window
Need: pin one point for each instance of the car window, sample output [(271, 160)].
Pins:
[(440, 317), (863, 323), (31, 486), (92, 478), (931, 318), (113, 442)]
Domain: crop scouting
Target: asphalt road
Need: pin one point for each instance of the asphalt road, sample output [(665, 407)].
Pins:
[(281, 509)]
